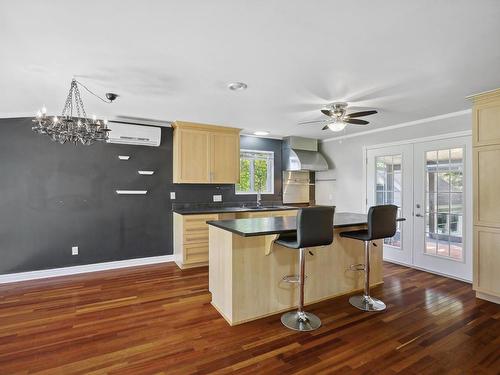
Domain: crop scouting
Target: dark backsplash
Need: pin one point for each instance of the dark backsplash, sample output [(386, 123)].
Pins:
[(53, 197)]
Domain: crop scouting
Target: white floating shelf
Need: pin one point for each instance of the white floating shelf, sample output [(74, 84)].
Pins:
[(132, 192), (146, 173), (123, 157)]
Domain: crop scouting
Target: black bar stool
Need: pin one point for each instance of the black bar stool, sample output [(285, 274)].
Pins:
[(314, 228), (381, 224)]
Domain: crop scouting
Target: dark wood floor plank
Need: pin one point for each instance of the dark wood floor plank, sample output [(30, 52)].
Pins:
[(158, 320)]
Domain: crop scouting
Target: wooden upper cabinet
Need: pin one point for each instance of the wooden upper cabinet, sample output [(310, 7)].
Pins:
[(486, 117), (487, 186), (205, 154), (486, 142), (192, 149), (225, 157)]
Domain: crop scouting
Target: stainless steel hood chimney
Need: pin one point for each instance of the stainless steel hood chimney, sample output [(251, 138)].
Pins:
[(301, 154)]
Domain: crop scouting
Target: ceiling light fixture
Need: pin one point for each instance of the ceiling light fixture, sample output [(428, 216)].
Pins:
[(337, 126), (261, 132), (74, 129), (237, 86)]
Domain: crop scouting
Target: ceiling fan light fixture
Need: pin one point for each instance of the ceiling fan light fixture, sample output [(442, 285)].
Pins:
[(337, 126)]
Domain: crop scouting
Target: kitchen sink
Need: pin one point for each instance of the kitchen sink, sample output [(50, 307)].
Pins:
[(266, 207)]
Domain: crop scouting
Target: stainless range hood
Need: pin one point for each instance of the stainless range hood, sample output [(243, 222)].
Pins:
[(301, 154)]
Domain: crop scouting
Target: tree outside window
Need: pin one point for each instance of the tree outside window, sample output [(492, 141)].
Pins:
[(256, 172)]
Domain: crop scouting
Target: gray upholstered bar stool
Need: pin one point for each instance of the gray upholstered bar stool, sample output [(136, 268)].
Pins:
[(314, 228), (381, 224)]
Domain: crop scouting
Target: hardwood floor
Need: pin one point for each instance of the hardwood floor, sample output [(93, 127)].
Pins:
[(158, 319)]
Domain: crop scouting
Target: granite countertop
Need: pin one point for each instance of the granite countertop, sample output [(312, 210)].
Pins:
[(276, 225), (281, 224), (226, 209)]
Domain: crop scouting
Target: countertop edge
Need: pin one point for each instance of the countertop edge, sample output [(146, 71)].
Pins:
[(229, 210)]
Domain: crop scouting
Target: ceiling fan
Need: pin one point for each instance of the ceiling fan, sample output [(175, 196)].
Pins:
[(339, 118)]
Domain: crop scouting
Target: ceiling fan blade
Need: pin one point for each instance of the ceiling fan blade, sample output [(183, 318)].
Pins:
[(311, 122), (356, 121), (361, 114), (327, 112), (325, 127)]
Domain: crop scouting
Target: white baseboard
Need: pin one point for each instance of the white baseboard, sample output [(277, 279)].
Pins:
[(74, 270), (426, 270)]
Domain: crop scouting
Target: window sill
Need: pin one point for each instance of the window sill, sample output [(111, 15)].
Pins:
[(252, 193)]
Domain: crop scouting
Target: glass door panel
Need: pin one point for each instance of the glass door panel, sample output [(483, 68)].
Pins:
[(444, 203), (389, 189), (389, 181), (440, 226)]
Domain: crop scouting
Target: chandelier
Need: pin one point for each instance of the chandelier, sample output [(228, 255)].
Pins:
[(70, 126)]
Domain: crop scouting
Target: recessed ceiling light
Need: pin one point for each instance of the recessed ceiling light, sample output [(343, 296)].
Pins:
[(261, 132), (237, 86)]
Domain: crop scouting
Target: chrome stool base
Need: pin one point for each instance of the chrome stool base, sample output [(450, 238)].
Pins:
[(300, 321), (367, 303)]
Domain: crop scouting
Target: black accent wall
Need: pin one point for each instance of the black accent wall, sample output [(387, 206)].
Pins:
[(53, 197)]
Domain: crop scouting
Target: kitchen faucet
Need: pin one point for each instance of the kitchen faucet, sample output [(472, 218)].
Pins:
[(259, 203)]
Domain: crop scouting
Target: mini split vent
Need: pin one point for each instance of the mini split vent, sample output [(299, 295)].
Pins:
[(129, 134)]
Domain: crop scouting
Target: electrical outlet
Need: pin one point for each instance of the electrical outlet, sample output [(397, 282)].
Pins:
[(74, 250), (217, 198), (172, 195)]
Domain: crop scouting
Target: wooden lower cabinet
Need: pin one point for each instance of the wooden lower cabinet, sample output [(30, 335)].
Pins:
[(486, 261), (191, 234), (191, 239)]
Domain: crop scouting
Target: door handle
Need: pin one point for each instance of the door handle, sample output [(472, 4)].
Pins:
[(419, 215)]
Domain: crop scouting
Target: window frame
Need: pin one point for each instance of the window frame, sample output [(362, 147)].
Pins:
[(270, 173)]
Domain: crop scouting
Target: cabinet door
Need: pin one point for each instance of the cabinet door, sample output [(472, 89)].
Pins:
[(486, 260), (192, 160), (225, 158), (487, 123), (486, 186)]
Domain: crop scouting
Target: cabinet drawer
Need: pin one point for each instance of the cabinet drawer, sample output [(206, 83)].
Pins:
[(196, 236), (196, 253), (197, 222)]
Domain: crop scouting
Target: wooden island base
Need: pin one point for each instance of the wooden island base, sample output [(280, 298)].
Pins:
[(246, 273)]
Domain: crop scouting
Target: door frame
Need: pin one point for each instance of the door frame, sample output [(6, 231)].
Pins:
[(412, 141)]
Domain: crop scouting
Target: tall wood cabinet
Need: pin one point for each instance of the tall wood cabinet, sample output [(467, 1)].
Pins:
[(205, 154), (486, 169)]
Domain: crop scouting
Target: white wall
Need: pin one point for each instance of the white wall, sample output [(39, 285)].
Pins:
[(345, 157)]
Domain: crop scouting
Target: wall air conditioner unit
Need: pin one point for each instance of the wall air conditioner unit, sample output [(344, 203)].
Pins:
[(128, 134)]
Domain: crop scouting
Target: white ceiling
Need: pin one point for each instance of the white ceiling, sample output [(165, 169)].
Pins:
[(173, 59)]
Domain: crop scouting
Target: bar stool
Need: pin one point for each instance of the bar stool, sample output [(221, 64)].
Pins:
[(381, 224), (314, 228)]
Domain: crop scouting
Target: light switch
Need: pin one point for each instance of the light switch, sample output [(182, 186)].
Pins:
[(172, 195), (217, 198)]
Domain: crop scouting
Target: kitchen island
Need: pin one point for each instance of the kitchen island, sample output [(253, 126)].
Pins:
[(246, 267)]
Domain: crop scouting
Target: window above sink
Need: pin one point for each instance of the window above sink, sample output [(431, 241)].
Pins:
[(256, 172)]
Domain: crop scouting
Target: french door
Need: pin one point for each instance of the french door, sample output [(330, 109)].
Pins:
[(390, 181), (429, 182), (443, 207)]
